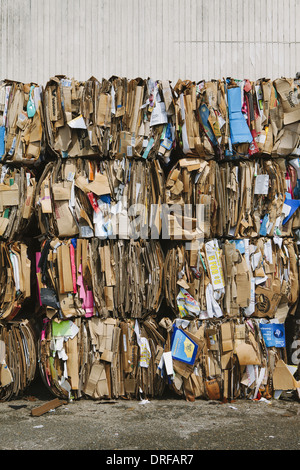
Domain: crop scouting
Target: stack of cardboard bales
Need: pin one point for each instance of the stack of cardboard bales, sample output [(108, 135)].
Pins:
[(231, 276), (98, 206), (21, 145), (168, 228)]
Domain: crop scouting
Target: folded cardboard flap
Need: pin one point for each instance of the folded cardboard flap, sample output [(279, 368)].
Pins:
[(227, 337), (9, 195), (99, 185), (267, 302), (62, 191), (6, 377), (290, 101), (283, 379), (246, 354)]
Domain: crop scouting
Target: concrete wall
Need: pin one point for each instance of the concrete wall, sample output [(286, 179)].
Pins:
[(161, 39)]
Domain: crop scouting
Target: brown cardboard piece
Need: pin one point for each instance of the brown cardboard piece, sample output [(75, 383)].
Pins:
[(266, 302), (9, 195), (64, 269), (72, 362), (29, 200), (50, 405), (291, 108), (283, 379), (62, 191), (65, 221), (246, 354), (213, 389), (100, 185), (26, 270), (227, 340), (6, 377)]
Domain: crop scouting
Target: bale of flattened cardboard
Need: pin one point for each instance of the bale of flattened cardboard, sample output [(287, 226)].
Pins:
[(17, 197), (18, 358), (242, 198), (109, 278), (236, 118), (112, 118), (232, 278), (119, 198), (191, 200), (101, 358), (22, 136), (15, 279), (223, 359)]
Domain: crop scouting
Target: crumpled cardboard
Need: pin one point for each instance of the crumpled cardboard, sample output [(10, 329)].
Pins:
[(236, 118), (233, 361), (107, 199), (17, 196), (107, 359), (22, 122), (16, 268), (232, 278), (18, 358), (111, 278), (283, 379), (112, 118)]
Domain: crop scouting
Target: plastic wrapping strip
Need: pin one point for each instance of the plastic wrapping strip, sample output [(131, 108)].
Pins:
[(109, 278), (22, 136), (113, 118), (223, 359), (18, 347), (111, 198), (233, 199), (232, 278), (97, 358)]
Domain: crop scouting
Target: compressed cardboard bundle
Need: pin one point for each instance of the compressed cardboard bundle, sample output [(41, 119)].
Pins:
[(101, 358), (127, 277), (205, 198), (224, 359), (231, 117), (143, 121), (192, 199), (254, 194), (86, 277), (118, 198), (18, 358), (22, 136), (17, 196), (232, 278), (112, 118), (15, 278), (70, 122)]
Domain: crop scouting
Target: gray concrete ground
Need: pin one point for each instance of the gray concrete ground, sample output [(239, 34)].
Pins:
[(169, 424)]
